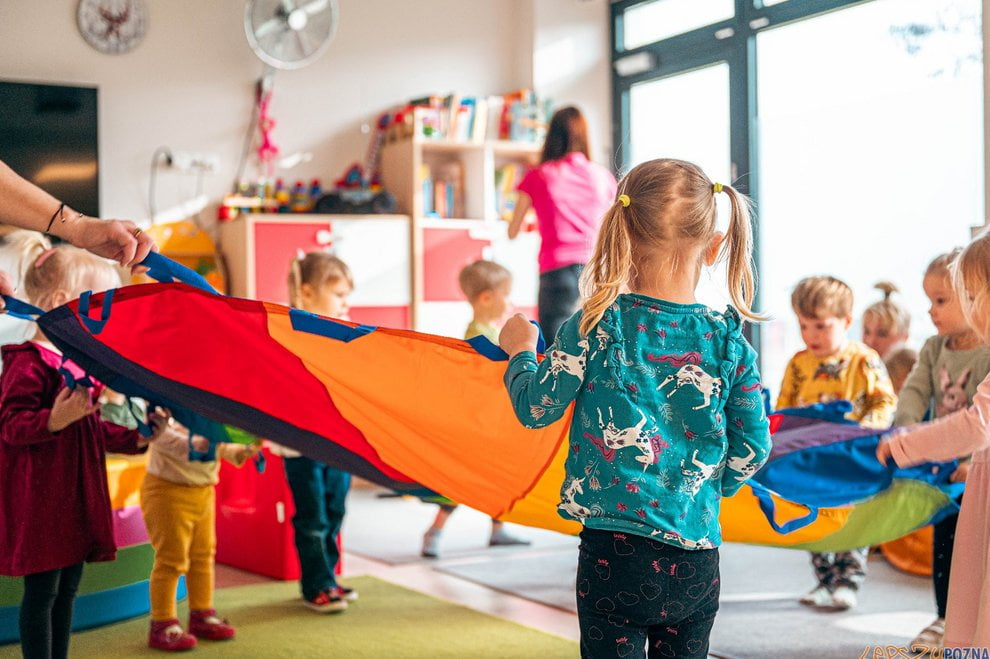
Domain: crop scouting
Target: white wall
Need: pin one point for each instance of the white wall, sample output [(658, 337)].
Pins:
[(571, 54), (189, 85)]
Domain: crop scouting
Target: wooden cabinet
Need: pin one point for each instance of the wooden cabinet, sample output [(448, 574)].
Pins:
[(441, 246), (259, 249)]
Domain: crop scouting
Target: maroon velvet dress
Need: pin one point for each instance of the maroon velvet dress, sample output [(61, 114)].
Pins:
[(54, 504)]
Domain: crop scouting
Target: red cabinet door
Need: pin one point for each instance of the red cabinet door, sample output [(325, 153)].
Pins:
[(275, 245), (445, 252)]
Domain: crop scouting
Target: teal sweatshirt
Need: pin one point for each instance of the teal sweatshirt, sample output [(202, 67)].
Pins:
[(668, 417)]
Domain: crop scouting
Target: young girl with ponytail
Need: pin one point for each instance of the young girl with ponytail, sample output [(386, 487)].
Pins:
[(668, 412)]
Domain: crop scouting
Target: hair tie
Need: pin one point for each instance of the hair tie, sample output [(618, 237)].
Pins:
[(624, 200), (38, 262), (716, 188)]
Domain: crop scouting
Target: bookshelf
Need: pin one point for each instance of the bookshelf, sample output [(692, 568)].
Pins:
[(460, 224)]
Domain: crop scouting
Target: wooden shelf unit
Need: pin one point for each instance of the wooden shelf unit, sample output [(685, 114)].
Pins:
[(481, 233)]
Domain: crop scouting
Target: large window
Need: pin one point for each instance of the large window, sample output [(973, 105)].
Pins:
[(856, 126)]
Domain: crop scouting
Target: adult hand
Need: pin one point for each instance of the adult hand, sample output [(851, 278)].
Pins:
[(6, 287), (119, 240), (518, 335), (70, 406)]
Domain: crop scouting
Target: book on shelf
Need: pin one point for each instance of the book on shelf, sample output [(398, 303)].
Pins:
[(443, 190), (507, 177), (519, 116)]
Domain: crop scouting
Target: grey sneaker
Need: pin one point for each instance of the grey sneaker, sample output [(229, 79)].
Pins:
[(502, 538), (431, 542)]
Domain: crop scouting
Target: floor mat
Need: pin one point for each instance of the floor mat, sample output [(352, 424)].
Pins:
[(387, 621)]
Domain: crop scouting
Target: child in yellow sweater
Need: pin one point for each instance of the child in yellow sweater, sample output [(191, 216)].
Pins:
[(833, 368), (178, 503)]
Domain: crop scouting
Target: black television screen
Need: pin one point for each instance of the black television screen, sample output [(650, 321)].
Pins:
[(48, 135)]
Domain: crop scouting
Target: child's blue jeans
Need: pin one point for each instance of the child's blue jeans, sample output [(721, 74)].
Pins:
[(319, 492)]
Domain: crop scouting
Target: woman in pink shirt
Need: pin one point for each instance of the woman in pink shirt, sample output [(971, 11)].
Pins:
[(569, 194)]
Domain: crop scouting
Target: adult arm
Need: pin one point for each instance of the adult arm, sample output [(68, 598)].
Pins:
[(27, 206), (523, 204)]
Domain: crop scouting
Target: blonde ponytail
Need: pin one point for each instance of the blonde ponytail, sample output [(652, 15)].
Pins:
[(28, 245), (609, 270), (888, 288), (740, 278)]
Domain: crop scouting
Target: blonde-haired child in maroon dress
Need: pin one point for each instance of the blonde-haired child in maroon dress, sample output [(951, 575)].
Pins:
[(55, 509)]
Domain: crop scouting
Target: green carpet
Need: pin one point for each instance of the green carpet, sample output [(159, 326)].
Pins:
[(388, 621)]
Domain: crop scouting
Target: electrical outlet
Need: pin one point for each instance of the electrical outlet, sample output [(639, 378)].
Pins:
[(189, 161)]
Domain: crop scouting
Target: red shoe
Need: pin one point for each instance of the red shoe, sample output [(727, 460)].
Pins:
[(206, 625), (345, 593), (168, 635), (327, 601)]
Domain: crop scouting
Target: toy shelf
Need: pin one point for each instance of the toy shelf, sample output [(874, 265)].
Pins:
[(411, 168)]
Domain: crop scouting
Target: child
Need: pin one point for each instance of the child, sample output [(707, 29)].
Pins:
[(54, 505), (668, 412), (886, 324), (178, 504), (950, 367), (487, 286), (899, 363), (318, 283), (834, 368), (967, 621)]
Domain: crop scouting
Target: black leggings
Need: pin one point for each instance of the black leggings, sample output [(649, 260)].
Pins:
[(46, 612), (943, 542), (637, 597), (558, 298)]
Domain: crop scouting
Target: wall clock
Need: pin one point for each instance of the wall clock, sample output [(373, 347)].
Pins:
[(112, 26)]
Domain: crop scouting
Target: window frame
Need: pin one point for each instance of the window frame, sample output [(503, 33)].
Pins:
[(702, 47)]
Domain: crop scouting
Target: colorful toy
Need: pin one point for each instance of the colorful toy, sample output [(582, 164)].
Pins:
[(360, 190), (425, 414)]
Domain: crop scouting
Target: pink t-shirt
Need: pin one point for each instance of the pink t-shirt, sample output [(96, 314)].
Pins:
[(570, 196)]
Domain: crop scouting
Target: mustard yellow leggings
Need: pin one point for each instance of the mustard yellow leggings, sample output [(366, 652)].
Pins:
[(181, 525)]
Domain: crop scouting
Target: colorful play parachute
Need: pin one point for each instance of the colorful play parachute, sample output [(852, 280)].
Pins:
[(424, 414)]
